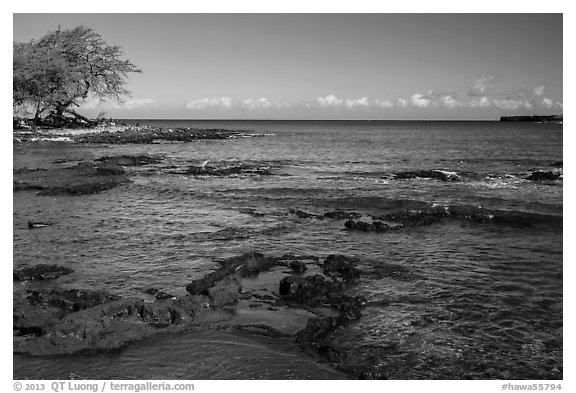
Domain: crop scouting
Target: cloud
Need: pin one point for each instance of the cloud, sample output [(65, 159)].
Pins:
[(483, 85), (511, 104), (547, 102), (402, 103), (540, 90), (449, 102), (262, 103), (522, 100), (329, 101), (357, 103), (130, 104), (210, 103), (420, 101), (383, 104), (480, 102), (257, 103)]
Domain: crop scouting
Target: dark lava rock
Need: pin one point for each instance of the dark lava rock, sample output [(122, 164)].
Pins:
[(40, 272), (28, 170), (342, 215), (109, 169), (543, 176), (427, 174), (417, 217), (105, 326), (315, 329), (128, 160), (38, 224), (201, 286), (98, 169), (251, 211), (375, 226), (297, 266), (40, 309), (222, 285), (163, 295), (303, 214), (243, 169), (149, 135), (292, 257), (308, 290), (70, 300), (84, 178), (342, 265), (557, 164), (250, 264), (225, 292)]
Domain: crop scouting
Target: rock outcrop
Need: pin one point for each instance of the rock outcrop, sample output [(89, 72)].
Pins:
[(40, 272)]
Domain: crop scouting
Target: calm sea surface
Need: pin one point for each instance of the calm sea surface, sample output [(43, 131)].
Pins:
[(473, 301)]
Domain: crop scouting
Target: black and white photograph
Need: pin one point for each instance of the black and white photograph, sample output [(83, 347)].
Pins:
[(287, 196)]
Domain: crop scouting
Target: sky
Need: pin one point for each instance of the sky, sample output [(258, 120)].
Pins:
[(327, 66)]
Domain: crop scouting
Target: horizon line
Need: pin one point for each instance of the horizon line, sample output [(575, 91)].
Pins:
[(256, 119)]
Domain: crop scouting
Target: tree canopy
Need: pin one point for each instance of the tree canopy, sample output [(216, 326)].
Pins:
[(63, 68)]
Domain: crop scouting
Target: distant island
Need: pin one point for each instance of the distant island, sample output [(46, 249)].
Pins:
[(534, 118)]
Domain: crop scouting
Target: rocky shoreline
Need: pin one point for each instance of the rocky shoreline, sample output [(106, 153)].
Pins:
[(126, 134), (288, 296)]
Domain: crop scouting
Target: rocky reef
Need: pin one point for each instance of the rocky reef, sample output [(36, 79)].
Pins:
[(299, 297), (149, 135), (83, 178)]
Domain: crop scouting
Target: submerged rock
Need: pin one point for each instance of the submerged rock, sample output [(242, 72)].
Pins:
[(39, 224), (163, 295), (375, 226), (427, 174), (297, 266), (342, 215), (233, 170), (342, 266), (40, 272), (418, 217), (84, 178), (129, 160), (543, 176), (303, 214), (21, 171)]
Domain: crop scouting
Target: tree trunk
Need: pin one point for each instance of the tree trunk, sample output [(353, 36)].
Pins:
[(37, 113)]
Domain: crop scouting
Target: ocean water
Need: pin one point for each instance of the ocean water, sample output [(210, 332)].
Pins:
[(455, 299)]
